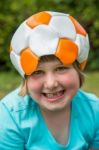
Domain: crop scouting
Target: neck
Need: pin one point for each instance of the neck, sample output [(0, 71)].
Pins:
[(57, 117), (58, 123)]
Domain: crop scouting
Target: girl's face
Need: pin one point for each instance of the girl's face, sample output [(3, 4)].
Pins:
[(53, 85)]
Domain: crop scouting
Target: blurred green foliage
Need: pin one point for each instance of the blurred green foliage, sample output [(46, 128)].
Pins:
[(12, 13)]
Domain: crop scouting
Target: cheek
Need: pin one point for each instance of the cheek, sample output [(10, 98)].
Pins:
[(71, 80), (34, 85)]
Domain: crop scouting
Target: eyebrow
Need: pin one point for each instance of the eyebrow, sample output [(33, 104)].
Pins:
[(40, 66), (58, 64)]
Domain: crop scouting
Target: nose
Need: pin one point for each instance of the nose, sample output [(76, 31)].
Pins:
[(50, 81)]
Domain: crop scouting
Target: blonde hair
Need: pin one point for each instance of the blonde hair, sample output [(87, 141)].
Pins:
[(47, 58)]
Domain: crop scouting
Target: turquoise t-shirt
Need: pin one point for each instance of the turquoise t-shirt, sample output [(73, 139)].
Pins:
[(22, 126)]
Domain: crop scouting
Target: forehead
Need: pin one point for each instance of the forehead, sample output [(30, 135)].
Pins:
[(49, 59)]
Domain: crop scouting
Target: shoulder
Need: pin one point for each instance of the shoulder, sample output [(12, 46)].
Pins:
[(13, 114), (22, 111), (19, 108), (86, 109), (16, 102), (87, 98), (88, 106)]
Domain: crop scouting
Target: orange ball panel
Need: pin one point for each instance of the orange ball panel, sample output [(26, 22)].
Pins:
[(79, 28), (67, 51), (39, 18), (28, 61)]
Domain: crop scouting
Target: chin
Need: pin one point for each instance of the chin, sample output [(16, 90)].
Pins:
[(55, 106)]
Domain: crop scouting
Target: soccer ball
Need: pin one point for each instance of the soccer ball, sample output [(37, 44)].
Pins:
[(47, 33)]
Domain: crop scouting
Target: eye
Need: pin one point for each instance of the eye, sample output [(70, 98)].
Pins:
[(61, 69), (38, 73)]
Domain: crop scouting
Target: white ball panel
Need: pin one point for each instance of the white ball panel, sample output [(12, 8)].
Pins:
[(63, 26), (15, 59), (43, 41), (83, 44), (20, 38)]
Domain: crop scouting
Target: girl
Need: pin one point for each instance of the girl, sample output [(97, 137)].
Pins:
[(49, 111)]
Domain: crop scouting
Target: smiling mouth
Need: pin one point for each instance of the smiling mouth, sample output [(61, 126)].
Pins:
[(54, 96)]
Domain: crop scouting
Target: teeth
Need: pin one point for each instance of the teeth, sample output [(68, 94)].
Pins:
[(59, 93), (52, 95)]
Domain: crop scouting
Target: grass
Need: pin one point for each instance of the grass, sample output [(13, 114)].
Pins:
[(92, 82), (10, 80)]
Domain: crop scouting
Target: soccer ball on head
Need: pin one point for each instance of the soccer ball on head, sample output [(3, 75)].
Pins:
[(47, 33)]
